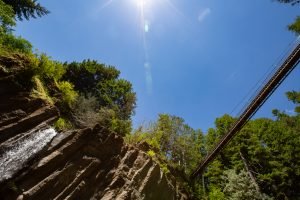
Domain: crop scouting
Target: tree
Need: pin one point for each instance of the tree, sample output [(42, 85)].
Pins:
[(91, 78), (216, 194), (27, 8), (178, 142), (268, 151), (293, 2), (239, 186), (115, 99), (295, 26), (6, 17), (174, 141), (294, 97)]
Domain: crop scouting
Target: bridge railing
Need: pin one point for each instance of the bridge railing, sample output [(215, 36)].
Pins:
[(270, 84)]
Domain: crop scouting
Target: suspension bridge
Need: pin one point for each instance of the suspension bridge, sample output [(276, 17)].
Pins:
[(289, 62)]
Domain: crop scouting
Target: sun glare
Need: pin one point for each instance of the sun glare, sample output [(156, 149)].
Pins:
[(143, 3), (140, 3)]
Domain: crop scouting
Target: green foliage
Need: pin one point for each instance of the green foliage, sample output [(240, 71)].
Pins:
[(293, 2), (216, 194), (27, 8), (92, 78), (271, 149), (62, 124), (179, 143), (295, 26), (85, 111), (176, 145), (293, 95), (6, 17), (48, 69), (151, 153), (239, 186), (8, 41), (40, 91), (164, 167), (15, 44), (120, 126), (68, 94), (48, 84), (113, 98), (136, 137)]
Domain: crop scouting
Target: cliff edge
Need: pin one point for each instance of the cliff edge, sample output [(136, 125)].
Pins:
[(36, 162)]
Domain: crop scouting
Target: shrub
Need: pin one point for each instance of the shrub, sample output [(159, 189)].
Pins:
[(48, 69), (135, 137), (7, 19), (164, 167), (120, 126), (68, 93), (40, 91), (85, 111), (62, 124), (216, 194), (13, 43), (151, 153)]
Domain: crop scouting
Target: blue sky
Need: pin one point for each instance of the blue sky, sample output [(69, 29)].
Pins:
[(197, 59)]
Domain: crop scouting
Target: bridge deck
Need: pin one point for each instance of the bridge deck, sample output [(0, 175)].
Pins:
[(282, 72)]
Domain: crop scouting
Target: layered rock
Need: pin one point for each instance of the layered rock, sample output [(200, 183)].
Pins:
[(90, 164), (80, 164)]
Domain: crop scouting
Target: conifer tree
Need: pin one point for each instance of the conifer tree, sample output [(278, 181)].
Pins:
[(27, 8)]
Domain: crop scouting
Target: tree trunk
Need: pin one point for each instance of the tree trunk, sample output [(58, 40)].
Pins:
[(249, 172)]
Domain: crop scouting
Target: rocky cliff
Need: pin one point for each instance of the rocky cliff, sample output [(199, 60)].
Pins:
[(38, 163)]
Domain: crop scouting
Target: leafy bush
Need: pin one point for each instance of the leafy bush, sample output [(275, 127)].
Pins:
[(68, 93), (15, 44), (109, 119), (62, 124), (48, 69), (240, 186), (120, 126), (164, 167), (151, 153), (92, 78), (216, 194), (40, 91), (135, 137), (6, 17), (295, 27), (85, 111)]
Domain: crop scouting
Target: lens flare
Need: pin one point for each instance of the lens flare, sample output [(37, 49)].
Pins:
[(140, 3)]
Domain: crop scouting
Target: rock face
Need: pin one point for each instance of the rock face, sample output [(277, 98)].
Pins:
[(90, 164), (81, 164)]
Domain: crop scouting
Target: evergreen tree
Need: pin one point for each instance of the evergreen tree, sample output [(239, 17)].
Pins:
[(239, 186), (293, 2), (6, 17), (91, 78), (267, 150), (295, 26), (27, 8)]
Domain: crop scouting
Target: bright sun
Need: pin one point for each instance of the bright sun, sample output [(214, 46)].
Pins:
[(140, 2), (143, 3)]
